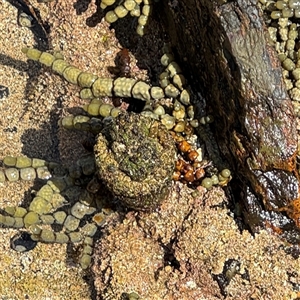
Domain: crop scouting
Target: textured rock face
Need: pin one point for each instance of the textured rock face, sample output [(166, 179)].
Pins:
[(180, 250), (136, 156)]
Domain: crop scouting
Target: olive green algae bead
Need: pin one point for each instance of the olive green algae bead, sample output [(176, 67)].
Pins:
[(282, 56), (123, 86), (20, 212), (215, 179), (276, 14), (136, 11), (86, 79), (166, 59), (75, 171), (36, 163), (296, 73), (207, 183), (159, 110), (75, 237), (47, 219), (111, 17), (191, 112), (86, 198), (43, 173), (281, 4), (35, 229), (87, 249), (146, 9), (23, 162), (105, 3), (10, 210), (25, 20), (185, 97), (71, 74), (67, 122), (71, 223), (88, 241), (85, 261), (140, 30), (141, 91), (61, 238), (173, 68), (47, 59), (179, 114), (164, 75), (10, 161), (8, 221), (58, 201), (129, 4), (142, 20), (28, 174), (288, 64), (164, 82), (294, 4), (87, 164), (79, 210), (45, 192), (171, 91), (60, 217), (115, 112), (287, 12), (31, 218), (290, 45), (297, 13), (156, 92), (103, 87), (59, 66), (179, 127), (12, 174), (78, 120), (226, 173), (89, 229), (19, 223), (31, 53), (105, 109), (92, 109), (179, 81), (40, 206), (47, 236), (194, 123), (168, 121), (121, 11)]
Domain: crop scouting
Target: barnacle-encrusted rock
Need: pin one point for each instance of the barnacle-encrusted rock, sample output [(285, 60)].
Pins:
[(136, 156)]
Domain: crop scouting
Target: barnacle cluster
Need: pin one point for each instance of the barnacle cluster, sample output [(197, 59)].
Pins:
[(283, 20), (136, 8)]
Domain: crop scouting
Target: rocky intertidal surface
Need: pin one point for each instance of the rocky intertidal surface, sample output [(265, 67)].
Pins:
[(148, 188)]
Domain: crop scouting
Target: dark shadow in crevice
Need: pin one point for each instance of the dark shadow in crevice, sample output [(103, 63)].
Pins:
[(35, 144), (39, 29)]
